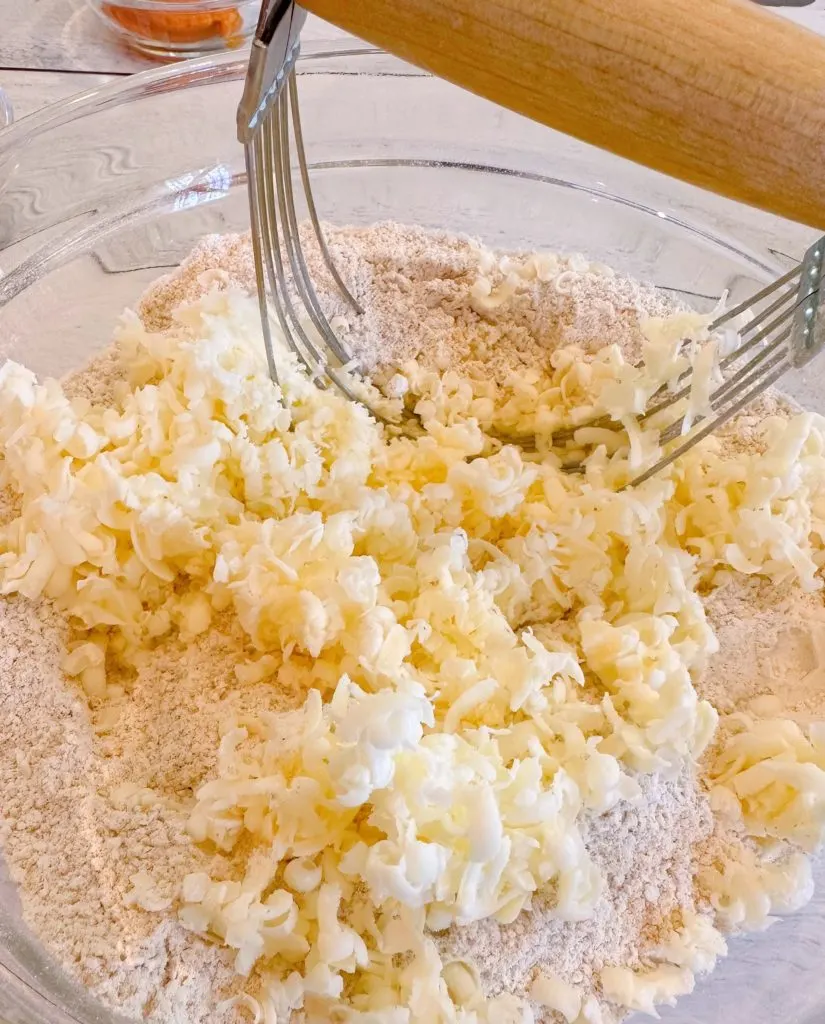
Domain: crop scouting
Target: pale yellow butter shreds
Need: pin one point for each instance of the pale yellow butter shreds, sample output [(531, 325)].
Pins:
[(440, 768)]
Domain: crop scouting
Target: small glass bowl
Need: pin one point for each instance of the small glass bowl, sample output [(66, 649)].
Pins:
[(171, 29)]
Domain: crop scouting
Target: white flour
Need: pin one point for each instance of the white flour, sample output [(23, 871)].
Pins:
[(416, 290), (772, 656), (74, 837), (72, 847)]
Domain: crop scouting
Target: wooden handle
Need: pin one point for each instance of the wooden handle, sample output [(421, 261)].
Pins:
[(720, 93)]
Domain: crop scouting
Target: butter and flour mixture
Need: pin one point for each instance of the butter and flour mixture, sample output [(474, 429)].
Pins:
[(305, 719)]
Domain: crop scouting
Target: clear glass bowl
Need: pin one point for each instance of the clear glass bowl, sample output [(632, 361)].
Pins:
[(103, 193), (169, 29), (6, 112)]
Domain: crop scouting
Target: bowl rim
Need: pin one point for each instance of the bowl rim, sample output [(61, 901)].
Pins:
[(207, 70), (231, 66)]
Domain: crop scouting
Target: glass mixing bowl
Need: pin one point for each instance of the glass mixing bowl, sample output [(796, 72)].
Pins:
[(103, 193)]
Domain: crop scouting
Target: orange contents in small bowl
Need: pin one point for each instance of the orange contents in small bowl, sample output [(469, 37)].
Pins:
[(173, 26)]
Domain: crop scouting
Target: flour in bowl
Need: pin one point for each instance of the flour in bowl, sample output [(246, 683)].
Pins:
[(305, 719)]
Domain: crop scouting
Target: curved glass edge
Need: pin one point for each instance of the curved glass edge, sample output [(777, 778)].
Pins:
[(6, 111), (330, 56), (208, 70)]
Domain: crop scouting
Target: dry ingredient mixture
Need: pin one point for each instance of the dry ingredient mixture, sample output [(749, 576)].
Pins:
[(302, 718)]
